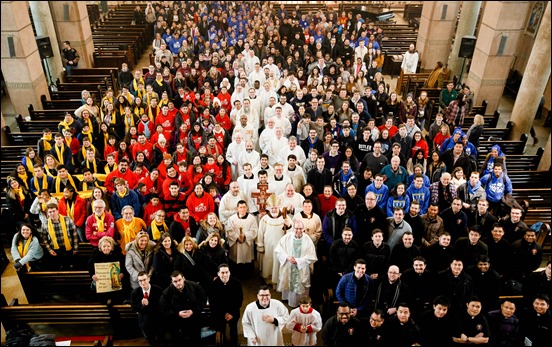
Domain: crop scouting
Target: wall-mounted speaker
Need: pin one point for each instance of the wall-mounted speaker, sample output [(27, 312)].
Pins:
[(11, 46), (467, 47), (44, 47)]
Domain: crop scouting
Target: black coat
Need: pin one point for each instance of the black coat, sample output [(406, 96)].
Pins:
[(163, 266), (226, 298)]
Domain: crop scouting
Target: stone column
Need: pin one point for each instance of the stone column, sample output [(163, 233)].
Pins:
[(534, 80), (490, 65), (73, 25), (44, 26), (466, 26), (25, 79), (436, 31), (544, 164)]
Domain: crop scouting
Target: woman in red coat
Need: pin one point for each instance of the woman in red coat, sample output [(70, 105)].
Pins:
[(224, 176), (200, 204)]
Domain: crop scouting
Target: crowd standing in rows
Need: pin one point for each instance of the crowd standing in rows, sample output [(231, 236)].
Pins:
[(268, 136)]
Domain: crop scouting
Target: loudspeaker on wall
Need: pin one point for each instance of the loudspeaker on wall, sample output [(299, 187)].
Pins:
[(44, 47), (467, 47)]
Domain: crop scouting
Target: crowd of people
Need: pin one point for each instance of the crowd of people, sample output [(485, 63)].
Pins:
[(268, 137)]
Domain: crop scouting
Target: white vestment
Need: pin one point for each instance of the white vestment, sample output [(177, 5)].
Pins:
[(298, 151), (274, 147), (252, 158), (270, 232), (229, 205), (294, 278), (278, 186), (295, 202), (241, 253), (312, 319), (312, 225), (267, 334), (297, 177), (232, 156)]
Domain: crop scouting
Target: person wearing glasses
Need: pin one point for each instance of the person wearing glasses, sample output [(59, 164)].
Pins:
[(343, 329), (391, 292), (376, 333), (264, 319)]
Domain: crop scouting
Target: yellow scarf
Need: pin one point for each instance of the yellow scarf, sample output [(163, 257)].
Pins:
[(58, 183), (24, 179), (24, 250), (85, 184), (44, 184), (60, 153), (94, 163), (19, 193), (29, 164), (159, 83), (163, 102), (155, 230), (122, 195), (100, 222), (70, 210), (138, 111), (135, 83), (89, 122), (84, 149), (106, 168), (121, 109), (129, 233), (89, 134), (52, 233), (113, 116), (48, 173), (66, 125), (150, 114), (43, 206), (46, 143), (128, 123)]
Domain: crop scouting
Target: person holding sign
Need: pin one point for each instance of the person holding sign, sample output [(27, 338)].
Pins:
[(107, 269)]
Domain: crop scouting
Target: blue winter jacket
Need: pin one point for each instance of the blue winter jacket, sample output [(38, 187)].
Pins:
[(346, 291)]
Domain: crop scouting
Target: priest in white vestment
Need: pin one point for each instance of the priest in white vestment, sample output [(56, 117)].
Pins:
[(295, 254)]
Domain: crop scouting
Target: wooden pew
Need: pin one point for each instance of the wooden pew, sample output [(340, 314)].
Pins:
[(12, 152), (42, 286), (507, 146), (520, 162), (59, 104), (92, 321), (27, 139), (529, 179), (534, 197), (47, 114), (36, 125), (99, 322), (99, 88)]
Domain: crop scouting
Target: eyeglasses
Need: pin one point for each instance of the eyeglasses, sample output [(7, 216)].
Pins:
[(376, 320), (264, 295)]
